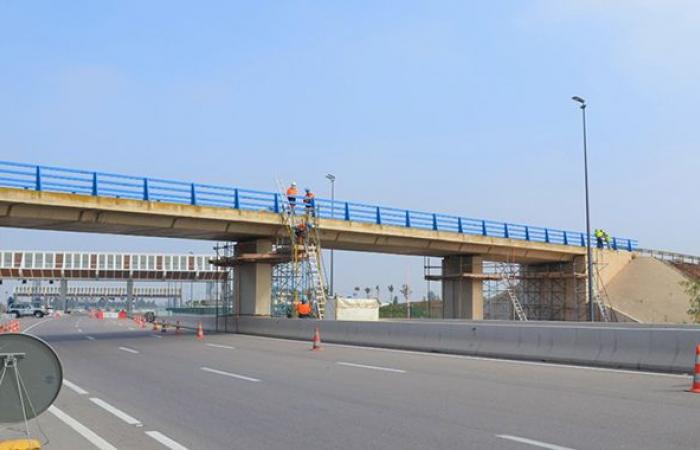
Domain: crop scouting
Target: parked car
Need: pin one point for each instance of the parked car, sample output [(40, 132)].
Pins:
[(24, 310)]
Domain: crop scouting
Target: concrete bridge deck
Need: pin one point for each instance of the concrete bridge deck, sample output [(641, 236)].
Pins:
[(21, 208)]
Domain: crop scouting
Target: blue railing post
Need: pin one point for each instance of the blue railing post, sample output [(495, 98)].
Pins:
[(277, 204), (236, 200), (379, 216), (408, 219), (146, 194), (94, 183), (566, 239), (583, 241), (435, 227), (614, 243), (460, 229), (505, 231), (629, 244), (527, 233), (38, 178), (193, 195), (546, 235), (347, 211), (484, 232)]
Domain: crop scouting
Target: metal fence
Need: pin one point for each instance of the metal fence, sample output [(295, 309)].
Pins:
[(84, 182)]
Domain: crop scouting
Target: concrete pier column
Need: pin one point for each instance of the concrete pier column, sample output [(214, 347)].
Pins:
[(129, 295), (253, 282), (63, 293), (462, 296)]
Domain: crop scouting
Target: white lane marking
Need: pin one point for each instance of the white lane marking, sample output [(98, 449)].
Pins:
[(74, 387), (132, 328), (156, 336), (115, 411), (221, 346), (81, 429), (89, 338), (77, 324), (229, 374), (362, 366), (130, 350), (80, 330), (43, 322), (165, 440), (532, 442), (483, 358)]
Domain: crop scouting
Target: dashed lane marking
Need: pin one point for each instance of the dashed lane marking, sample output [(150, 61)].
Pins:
[(363, 366), (129, 350), (221, 346), (532, 442), (165, 440), (229, 374), (116, 412), (74, 387)]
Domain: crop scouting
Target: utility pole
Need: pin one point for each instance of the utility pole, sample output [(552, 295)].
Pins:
[(589, 251), (331, 178)]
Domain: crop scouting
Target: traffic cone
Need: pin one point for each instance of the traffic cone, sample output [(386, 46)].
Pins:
[(696, 376), (317, 340), (177, 328), (200, 331)]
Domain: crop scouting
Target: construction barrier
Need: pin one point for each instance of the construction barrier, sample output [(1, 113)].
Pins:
[(10, 326), (627, 346)]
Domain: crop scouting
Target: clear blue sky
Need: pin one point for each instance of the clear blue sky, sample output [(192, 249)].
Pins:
[(458, 107)]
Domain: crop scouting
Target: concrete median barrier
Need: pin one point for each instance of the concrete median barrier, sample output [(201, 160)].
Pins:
[(624, 346)]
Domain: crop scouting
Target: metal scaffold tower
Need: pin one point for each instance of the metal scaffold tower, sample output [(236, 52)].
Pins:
[(300, 278)]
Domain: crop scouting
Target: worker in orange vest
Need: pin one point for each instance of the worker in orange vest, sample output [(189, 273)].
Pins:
[(292, 195), (304, 309), (310, 202)]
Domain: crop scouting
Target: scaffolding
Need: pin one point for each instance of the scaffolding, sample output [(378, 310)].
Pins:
[(512, 291)]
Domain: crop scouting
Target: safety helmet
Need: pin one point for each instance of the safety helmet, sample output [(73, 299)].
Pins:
[(294, 183), (307, 190)]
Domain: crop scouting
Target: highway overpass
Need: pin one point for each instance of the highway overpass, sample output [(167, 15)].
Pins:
[(51, 198)]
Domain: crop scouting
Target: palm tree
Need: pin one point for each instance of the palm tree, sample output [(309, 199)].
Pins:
[(390, 288), (367, 291), (357, 291), (376, 290)]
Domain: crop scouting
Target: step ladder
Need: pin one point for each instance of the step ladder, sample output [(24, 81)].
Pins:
[(316, 275)]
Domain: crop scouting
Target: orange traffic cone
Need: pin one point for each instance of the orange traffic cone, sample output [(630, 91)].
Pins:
[(177, 328), (200, 331), (696, 376), (317, 340)]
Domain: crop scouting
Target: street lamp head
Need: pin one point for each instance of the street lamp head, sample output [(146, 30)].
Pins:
[(330, 177), (578, 99)]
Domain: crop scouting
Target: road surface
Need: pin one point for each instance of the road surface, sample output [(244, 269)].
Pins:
[(131, 388)]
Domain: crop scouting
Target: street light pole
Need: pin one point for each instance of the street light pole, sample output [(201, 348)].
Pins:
[(331, 178), (589, 251)]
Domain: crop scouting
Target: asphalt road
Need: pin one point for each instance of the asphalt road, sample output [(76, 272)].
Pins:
[(127, 389)]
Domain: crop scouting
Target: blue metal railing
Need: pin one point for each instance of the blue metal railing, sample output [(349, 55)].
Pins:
[(57, 179)]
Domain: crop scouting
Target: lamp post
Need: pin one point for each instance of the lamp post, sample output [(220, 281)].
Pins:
[(331, 178), (589, 252)]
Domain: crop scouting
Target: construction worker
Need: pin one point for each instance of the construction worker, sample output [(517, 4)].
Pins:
[(301, 232), (606, 238), (600, 238), (292, 195), (310, 202), (304, 309)]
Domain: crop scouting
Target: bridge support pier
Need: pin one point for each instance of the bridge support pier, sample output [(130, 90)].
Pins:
[(253, 282), (462, 297), (129, 296), (63, 294)]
